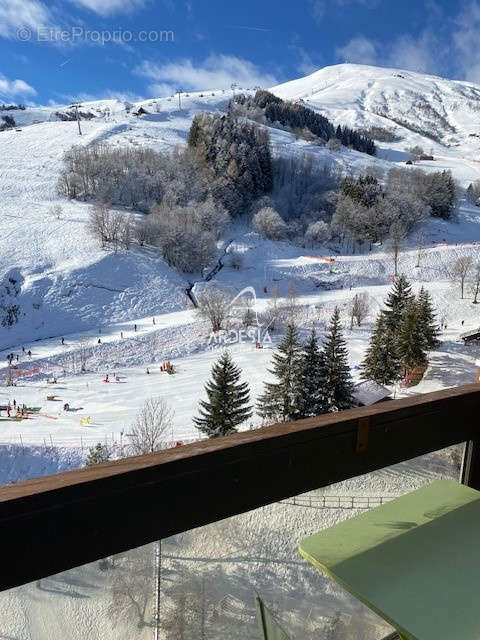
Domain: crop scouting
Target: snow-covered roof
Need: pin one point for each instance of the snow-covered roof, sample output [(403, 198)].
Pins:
[(369, 392)]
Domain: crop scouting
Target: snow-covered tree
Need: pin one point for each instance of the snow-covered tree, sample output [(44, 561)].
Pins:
[(269, 224), (338, 380), (278, 402), (227, 405), (310, 399), (317, 233), (97, 454)]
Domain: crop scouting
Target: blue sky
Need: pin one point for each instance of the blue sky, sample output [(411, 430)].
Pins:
[(50, 51)]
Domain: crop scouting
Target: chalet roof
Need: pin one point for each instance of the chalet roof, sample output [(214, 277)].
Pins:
[(469, 334), (369, 392)]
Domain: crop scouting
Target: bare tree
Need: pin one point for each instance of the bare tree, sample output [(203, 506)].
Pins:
[(290, 308), (116, 230), (460, 271), (130, 585), (56, 211), (421, 240), (475, 283), (395, 242), (415, 153), (84, 354), (214, 306), (147, 230), (272, 311), (235, 259), (99, 222), (359, 308), (151, 424)]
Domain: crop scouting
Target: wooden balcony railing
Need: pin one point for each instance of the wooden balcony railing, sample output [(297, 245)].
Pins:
[(55, 523)]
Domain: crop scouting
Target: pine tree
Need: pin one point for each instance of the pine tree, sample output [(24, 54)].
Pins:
[(278, 399), (227, 405), (382, 362), (310, 399), (97, 454), (427, 324), (411, 343), (338, 381), (397, 302)]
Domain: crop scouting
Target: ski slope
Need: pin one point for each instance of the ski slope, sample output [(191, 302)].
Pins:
[(68, 287)]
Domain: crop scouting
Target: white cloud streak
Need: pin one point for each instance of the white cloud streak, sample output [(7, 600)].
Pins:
[(108, 7), (15, 88), (15, 14), (215, 72)]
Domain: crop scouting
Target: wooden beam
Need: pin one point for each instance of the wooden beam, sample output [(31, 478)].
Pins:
[(55, 523)]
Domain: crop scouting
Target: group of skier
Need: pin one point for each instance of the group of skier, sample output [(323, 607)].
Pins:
[(20, 411)]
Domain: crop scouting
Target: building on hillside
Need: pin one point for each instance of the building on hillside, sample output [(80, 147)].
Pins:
[(369, 392), (470, 336)]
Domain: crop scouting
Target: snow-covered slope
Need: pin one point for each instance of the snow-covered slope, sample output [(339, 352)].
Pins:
[(64, 283), (414, 106)]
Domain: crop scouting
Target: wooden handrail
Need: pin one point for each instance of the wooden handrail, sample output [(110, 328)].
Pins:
[(55, 523)]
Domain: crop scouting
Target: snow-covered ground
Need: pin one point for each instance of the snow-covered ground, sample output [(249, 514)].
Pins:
[(66, 286)]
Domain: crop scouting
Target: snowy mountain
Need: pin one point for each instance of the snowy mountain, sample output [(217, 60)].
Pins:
[(64, 282), (441, 112)]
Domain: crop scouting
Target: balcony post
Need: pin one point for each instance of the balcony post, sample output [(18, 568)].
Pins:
[(470, 473)]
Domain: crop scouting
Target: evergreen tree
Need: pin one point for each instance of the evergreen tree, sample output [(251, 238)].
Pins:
[(382, 362), (278, 399), (411, 342), (338, 381), (427, 324), (227, 405), (97, 454), (310, 399), (397, 302)]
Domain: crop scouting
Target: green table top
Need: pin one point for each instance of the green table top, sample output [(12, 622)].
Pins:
[(415, 561)]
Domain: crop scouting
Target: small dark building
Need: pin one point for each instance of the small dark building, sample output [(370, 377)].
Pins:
[(140, 112), (470, 336)]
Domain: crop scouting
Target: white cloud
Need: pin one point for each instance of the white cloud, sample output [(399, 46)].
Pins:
[(215, 72), (319, 8), (423, 54), (22, 13), (444, 47), (107, 94), (306, 64), (107, 7), (466, 37), (13, 88), (360, 50)]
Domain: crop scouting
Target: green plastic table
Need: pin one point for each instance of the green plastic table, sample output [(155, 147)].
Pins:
[(415, 561)]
